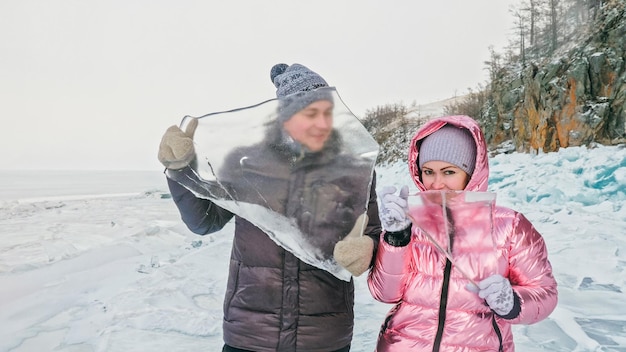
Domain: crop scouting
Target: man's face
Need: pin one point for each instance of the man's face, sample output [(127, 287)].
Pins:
[(312, 125)]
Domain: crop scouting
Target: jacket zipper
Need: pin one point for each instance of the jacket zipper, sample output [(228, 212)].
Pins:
[(443, 303)]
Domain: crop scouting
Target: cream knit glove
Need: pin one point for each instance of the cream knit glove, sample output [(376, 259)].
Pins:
[(355, 251), (176, 149)]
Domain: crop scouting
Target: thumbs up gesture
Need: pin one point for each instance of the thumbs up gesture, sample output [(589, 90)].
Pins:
[(355, 251)]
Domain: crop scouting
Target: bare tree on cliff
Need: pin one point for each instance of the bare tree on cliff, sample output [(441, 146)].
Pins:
[(520, 26), (554, 4), (527, 16)]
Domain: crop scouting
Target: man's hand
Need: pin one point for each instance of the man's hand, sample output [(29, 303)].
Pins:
[(355, 251), (176, 149)]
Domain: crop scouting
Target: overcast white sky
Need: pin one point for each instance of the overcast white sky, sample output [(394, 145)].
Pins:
[(94, 84)]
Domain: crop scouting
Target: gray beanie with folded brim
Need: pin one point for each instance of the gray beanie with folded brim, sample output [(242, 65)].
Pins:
[(451, 144), (296, 88)]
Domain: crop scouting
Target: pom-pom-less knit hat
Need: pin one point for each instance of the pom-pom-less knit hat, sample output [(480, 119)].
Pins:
[(451, 144), (296, 87)]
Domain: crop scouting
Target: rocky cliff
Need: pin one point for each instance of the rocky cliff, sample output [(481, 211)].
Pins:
[(577, 97)]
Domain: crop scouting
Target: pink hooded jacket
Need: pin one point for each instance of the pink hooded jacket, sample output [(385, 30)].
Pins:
[(433, 310)]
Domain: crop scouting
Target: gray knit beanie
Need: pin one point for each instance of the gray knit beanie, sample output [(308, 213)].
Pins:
[(451, 144), (296, 88)]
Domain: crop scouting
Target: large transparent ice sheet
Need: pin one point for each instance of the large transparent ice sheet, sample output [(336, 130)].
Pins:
[(305, 202)]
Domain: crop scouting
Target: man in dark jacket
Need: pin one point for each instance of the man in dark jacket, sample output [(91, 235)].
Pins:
[(274, 301)]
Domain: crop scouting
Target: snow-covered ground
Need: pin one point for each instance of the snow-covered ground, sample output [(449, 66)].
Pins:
[(100, 261)]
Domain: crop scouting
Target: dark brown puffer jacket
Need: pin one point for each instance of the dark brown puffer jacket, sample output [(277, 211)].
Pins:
[(274, 301)]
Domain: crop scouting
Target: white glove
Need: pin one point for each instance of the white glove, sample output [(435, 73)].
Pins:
[(394, 208), (355, 251), (497, 292)]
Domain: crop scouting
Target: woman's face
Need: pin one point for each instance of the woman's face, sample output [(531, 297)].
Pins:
[(443, 176), (312, 125)]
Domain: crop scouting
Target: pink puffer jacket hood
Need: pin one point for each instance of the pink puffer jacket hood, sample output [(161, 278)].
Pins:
[(432, 309), (480, 177)]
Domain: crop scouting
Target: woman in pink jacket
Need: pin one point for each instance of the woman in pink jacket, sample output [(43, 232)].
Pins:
[(495, 271)]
